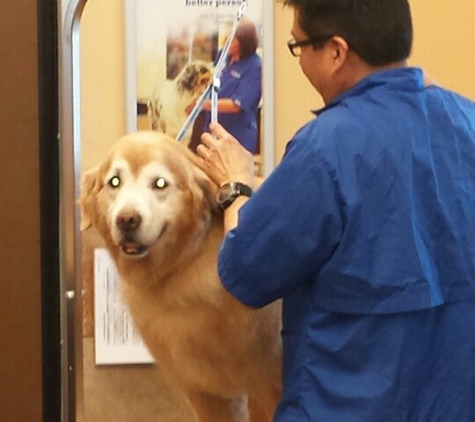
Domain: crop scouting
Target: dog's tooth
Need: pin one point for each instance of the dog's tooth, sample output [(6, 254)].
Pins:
[(131, 248)]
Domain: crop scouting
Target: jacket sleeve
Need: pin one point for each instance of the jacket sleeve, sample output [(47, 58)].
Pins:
[(286, 231)]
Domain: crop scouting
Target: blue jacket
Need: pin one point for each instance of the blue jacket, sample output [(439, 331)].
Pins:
[(367, 231)]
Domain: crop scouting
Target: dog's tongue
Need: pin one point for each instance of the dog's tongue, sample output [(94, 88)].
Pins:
[(131, 248)]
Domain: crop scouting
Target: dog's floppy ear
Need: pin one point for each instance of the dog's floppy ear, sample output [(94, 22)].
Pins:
[(87, 197), (208, 187), (189, 77)]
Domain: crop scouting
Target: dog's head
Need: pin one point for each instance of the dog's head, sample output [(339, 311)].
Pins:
[(195, 77), (148, 193)]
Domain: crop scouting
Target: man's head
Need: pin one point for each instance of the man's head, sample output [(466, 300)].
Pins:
[(341, 41), (378, 31)]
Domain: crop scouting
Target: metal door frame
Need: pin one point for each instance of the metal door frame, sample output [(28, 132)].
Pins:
[(69, 15)]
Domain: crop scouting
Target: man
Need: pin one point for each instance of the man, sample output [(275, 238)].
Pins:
[(366, 229)]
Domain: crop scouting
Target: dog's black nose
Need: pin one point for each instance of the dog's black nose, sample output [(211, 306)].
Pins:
[(128, 221)]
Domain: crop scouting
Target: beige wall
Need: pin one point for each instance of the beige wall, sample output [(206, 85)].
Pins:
[(294, 96), (102, 78), (443, 31)]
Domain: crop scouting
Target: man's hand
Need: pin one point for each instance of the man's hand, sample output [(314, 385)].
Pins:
[(226, 160)]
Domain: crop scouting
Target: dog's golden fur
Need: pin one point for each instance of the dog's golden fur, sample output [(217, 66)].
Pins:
[(169, 108), (154, 208)]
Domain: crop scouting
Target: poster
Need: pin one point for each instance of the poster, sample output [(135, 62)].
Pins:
[(163, 36), (117, 341)]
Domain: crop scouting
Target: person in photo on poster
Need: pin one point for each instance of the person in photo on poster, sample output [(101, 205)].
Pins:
[(240, 89)]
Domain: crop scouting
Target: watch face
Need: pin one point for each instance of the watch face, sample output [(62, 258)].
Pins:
[(225, 192), (229, 192)]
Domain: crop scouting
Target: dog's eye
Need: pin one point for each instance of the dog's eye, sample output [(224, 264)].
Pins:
[(160, 183), (114, 181)]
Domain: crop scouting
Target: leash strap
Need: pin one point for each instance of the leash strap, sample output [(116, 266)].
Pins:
[(213, 88)]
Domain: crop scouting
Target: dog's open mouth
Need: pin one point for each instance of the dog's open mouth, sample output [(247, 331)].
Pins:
[(134, 249)]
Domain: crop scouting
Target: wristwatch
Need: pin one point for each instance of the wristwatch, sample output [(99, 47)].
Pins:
[(229, 192)]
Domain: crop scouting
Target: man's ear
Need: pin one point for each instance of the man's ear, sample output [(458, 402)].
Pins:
[(87, 197), (339, 50)]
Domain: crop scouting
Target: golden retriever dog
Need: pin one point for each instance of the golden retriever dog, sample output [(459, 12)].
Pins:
[(169, 108), (155, 209)]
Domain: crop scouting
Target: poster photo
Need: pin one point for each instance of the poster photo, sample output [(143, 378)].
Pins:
[(173, 47)]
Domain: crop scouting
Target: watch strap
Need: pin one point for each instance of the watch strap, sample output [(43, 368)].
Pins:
[(235, 190)]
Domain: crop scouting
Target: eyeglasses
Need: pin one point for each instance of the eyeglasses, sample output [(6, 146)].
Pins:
[(295, 47)]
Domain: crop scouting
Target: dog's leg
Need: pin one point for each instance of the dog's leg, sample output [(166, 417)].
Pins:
[(210, 408)]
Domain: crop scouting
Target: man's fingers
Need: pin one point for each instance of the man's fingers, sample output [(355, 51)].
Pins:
[(201, 151), (209, 140), (211, 164), (222, 134), (218, 130), (209, 155)]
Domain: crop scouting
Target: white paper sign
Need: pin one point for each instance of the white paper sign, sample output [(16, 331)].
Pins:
[(117, 341)]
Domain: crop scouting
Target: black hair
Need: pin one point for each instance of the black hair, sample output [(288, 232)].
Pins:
[(378, 31)]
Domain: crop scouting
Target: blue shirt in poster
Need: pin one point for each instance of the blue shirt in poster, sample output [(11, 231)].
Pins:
[(367, 231), (241, 81)]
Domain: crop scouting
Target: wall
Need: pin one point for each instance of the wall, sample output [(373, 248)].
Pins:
[(444, 32), (102, 78), (20, 294), (294, 96)]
